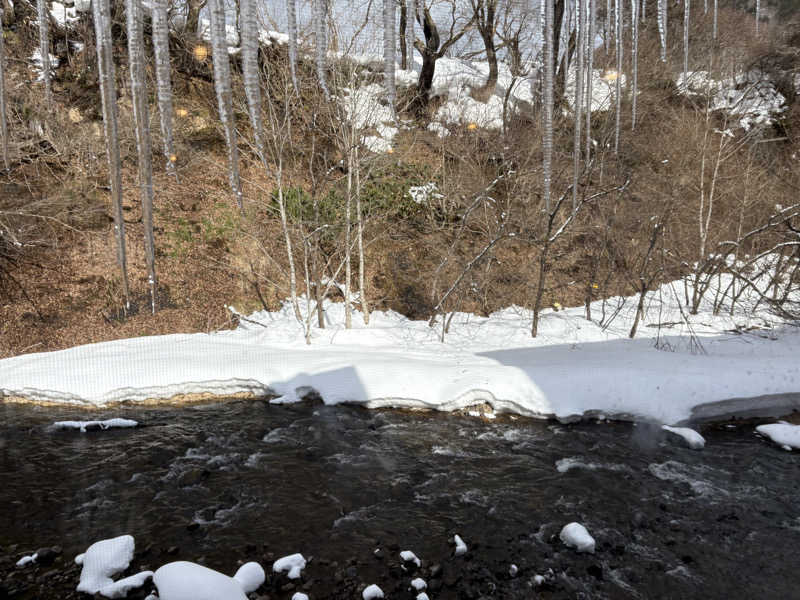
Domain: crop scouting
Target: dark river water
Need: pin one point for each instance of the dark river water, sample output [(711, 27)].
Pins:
[(238, 481)]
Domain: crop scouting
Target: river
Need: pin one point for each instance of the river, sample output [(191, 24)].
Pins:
[(243, 480)]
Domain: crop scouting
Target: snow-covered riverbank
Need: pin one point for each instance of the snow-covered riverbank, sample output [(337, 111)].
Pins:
[(678, 365)]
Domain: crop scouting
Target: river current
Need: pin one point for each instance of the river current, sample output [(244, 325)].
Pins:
[(350, 488)]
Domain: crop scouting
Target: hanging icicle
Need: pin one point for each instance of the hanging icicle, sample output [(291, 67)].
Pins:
[(108, 97), (662, 27), (714, 26), (141, 120), (580, 28), (618, 81), (547, 93), (3, 122), (590, 35), (411, 11), (758, 14), (321, 39), (607, 29), (686, 11), (163, 79), (44, 49), (291, 26), (248, 36), (634, 59), (222, 85), (389, 48), (643, 16)]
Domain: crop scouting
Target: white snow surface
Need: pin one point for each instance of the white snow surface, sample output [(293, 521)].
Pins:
[(783, 434), (575, 536), (294, 563), (250, 576), (690, 436), (574, 367), (299, 596), (371, 592), (418, 584), (184, 580), (461, 547), (104, 559), (422, 596), (27, 560), (120, 589), (106, 424), (409, 556)]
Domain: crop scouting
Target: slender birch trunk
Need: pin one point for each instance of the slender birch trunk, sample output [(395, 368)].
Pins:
[(362, 288), (389, 56), (348, 309), (547, 139), (163, 80), (291, 26), (758, 14), (222, 85), (44, 49), (580, 26), (3, 122), (411, 12), (108, 96), (321, 45), (590, 74), (607, 32), (634, 59), (141, 118), (618, 87), (714, 26)]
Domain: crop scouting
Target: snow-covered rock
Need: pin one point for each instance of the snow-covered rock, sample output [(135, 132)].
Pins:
[(371, 592), (120, 588), (409, 556), (575, 536), (694, 440), (184, 580), (783, 434), (422, 596), (250, 576), (513, 570), (25, 560), (104, 559), (461, 547), (419, 584), (292, 564), (299, 596), (84, 425)]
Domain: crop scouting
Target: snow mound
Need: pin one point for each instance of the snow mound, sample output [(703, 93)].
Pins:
[(783, 434), (104, 559), (575, 536), (293, 564), (418, 584), (694, 440), (120, 588), (422, 596), (184, 580), (299, 596), (409, 556), (461, 547), (371, 592), (250, 576), (27, 560), (84, 425)]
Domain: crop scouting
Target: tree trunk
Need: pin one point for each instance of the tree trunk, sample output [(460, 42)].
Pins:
[(403, 38), (44, 50), (389, 45), (321, 42), (537, 304), (108, 96), (291, 26), (547, 134), (362, 291), (194, 7), (3, 123), (164, 80)]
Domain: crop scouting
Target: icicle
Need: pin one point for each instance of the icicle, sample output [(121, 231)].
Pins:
[(163, 78), (662, 27), (580, 28), (411, 11), (547, 139), (141, 119), (389, 51), (222, 85), (705, 7), (607, 32), (291, 25), (643, 16), (44, 49), (321, 45), (686, 11), (634, 59), (108, 97), (590, 35), (3, 122), (618, 89), (248, 36)]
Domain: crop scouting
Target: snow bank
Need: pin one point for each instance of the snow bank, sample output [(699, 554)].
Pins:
[(573, 368), (293, 564), (184, 580), (250, 576), (694, 440), (783, 434), (104, 559), (575, 536), (84, 425)]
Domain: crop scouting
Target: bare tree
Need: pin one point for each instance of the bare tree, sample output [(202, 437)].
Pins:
[(3, 122), (389, 55), (108, 96), (484, 14), (291, 26), (634, 59), (193, 10), (163, 79), (222, 85), (618, 18), (578, 107), (321, 41), (547, 116), (44, 49)]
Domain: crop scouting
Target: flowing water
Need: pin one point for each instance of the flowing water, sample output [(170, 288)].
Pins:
[(237, 481)]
